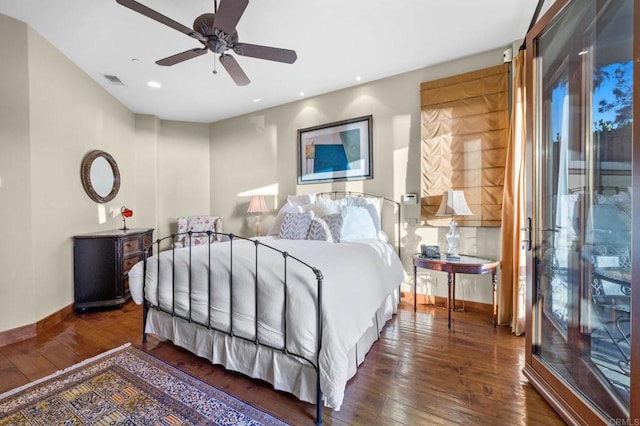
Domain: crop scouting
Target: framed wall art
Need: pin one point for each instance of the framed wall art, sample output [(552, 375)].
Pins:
[(336, 151)]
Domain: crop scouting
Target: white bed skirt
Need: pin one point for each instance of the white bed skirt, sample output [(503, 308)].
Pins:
[(285, 373)]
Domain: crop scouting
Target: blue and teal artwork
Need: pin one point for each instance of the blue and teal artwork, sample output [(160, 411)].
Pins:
[(337, 157)]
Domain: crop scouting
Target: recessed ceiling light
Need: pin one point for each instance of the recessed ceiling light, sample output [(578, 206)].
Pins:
[(135, 60), (257, 99), (301, 93), (154, 84), (358, 78)]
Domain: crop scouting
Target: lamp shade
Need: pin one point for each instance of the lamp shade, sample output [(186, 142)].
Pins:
[(257, 204), (125, 212), (453, 204)]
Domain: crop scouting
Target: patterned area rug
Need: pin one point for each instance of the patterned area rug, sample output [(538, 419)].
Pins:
[(125, 386)]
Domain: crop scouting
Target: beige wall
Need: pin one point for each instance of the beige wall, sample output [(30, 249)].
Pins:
[(69, 116), (258, 150), (16, 274), (171, 173), (183, 173), (51, 115)]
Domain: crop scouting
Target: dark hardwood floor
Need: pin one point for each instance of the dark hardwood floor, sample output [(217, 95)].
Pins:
[(418, 373)]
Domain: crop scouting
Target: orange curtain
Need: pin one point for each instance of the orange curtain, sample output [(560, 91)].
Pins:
[(464, 137), (512, 290)]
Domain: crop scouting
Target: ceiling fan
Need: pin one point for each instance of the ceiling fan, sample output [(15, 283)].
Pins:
[(217, 32)]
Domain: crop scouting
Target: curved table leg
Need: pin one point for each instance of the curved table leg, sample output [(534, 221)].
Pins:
[(415, 288), (494, 282), (449, 291)]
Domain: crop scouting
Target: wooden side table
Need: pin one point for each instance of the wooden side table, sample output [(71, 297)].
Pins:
[(466, 265)]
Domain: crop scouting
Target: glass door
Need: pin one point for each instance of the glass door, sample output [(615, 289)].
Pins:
[(582, 201)]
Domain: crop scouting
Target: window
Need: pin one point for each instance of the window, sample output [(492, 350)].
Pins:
[(464, 137)]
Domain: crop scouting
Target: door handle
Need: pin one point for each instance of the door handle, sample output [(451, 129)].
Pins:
[(526, 243)]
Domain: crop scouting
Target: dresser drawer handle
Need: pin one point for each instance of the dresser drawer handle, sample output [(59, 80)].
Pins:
[(128, 263), (130, 246)]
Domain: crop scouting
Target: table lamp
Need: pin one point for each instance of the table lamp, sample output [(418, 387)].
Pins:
[(125, 213), (257, 205), (453, 204)]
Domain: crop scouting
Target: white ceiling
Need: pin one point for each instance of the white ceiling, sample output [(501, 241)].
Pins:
[(336, 40)]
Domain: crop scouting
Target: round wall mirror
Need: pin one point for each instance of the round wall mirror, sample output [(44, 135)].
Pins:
[(100, 176)]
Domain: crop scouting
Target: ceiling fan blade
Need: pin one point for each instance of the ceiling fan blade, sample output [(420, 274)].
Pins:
[(150, 13), (231, 65), (265, 52), (180, 57), (229, 14)]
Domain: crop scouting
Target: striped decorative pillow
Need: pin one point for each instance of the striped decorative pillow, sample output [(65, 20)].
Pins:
[(277, 224), (319, 230), (334, 221), (295, 226)]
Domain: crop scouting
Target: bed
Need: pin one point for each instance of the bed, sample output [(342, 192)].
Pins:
[(280, 307)]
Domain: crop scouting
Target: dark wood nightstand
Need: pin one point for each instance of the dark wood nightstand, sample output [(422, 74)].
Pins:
[(466, 265), (101, 264)]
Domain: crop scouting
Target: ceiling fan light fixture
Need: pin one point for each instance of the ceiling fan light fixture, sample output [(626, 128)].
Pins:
[(217, 45)]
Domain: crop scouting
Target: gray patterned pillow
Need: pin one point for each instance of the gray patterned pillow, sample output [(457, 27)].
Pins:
[(335, 225), (319, 230), (277, 224), (295, 226)]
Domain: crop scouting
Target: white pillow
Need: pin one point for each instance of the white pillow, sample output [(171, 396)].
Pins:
[(299, 200), (371, 204), (323, 207), (317, 208), (277, 224), (357, 224), (330, 206), (295, 226)]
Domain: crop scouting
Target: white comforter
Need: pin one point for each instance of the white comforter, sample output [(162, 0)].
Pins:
[(357, 277)]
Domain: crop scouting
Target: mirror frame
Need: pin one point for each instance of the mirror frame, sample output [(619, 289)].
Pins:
[(85, 175)]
